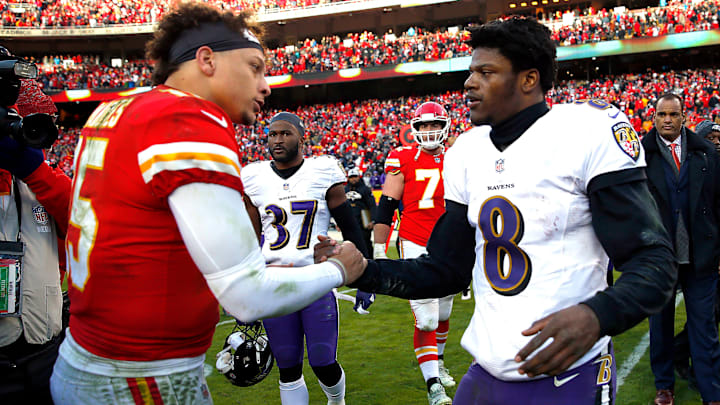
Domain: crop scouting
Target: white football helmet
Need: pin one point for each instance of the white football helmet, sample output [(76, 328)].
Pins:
[(430, 112)]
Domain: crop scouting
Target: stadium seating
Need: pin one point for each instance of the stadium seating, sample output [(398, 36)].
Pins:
[(362, 132), (364, 49), (95, 13)]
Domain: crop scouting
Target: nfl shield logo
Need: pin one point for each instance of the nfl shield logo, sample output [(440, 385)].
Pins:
[(500, 165), (286, 186), (40, 215)]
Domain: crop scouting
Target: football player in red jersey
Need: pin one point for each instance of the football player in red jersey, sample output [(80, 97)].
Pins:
[(157, 237), (414, 176)]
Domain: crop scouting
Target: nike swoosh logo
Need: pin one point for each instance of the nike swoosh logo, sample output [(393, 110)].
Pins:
[(559, 382), (223, 123)]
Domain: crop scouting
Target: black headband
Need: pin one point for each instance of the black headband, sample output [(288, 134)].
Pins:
[(215, 35), (293, 119)]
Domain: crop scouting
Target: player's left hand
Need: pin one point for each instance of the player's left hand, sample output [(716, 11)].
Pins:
[(328, 247), (363, 301), (574, 331)]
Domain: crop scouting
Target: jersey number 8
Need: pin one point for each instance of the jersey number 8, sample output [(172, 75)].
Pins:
[(502, 225)]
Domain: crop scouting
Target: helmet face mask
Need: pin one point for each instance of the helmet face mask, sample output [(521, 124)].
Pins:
[(427, 113), (246, 358)]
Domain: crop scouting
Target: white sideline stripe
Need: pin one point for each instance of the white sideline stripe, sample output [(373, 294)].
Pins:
[(638, 352)]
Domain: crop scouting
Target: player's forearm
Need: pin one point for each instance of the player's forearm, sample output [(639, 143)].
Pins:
[(383, 217), (349, 227), (446, 269), (381, 233), (251, 291), (218, 234), (645, 259)]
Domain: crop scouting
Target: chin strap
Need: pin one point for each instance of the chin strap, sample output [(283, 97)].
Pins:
[(417, 155)]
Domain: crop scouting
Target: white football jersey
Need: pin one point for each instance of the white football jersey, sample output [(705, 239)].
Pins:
[(536, 250), (293, 211)]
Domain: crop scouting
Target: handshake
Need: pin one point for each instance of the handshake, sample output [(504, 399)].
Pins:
[(345, 255), (351, 261)]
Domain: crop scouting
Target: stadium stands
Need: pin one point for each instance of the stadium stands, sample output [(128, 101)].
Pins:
[(96, 13), (365, 49), (362, 132)]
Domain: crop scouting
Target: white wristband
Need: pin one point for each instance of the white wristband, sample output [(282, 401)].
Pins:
[(379, 251), (340, 267)]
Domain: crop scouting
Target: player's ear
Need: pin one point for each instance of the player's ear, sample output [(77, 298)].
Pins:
[(530, 79), (205, 59)]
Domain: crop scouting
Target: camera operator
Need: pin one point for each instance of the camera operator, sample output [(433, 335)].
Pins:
[(34, 202)]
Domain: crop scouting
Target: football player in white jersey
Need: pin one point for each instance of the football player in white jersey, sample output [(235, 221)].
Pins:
[(292, 199), (534, 200)]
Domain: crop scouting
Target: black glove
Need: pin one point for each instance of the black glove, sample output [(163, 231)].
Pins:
[(18, 159)]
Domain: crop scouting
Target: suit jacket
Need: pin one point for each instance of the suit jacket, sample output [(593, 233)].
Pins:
[(703, 173)]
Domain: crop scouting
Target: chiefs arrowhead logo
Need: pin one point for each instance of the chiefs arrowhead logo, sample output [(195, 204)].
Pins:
[(406, 137)]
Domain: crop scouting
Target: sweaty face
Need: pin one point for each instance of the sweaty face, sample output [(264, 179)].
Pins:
[(491, 87), (239, 84), (669, 118), (283, 141)]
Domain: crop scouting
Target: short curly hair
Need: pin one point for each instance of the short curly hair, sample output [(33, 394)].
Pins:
[(185, 16), (523, 41)]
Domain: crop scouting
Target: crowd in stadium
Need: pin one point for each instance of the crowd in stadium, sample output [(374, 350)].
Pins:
[(585, 25), (361, 133), (67, 72), (94, 13), (605, 25)]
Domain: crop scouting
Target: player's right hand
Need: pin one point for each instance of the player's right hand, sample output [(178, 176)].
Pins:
[(379, 251), (352, 261)]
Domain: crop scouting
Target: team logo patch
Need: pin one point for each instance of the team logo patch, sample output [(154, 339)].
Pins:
[(406, 136), (500, 165), (40, 215), (627, 139)]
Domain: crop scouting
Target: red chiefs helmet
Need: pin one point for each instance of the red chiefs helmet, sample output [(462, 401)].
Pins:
[(430, 112)]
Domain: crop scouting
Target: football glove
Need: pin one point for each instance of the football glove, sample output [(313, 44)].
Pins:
[(363, 301), (379, 251)]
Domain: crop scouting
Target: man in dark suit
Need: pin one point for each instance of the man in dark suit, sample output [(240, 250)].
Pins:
[(684, 177)]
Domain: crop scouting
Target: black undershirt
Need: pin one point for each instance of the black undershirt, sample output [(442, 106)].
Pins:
[(286, 173), (505, 133)]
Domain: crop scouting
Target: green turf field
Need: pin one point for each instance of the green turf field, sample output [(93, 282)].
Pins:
[(377, 354)]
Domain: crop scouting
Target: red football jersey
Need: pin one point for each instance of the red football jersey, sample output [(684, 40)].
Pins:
[(423, 192), (136, 292)]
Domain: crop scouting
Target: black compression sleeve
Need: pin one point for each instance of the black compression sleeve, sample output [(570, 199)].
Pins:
[(445, 270), (385, 210), (628, 225), (349, 227)]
